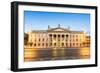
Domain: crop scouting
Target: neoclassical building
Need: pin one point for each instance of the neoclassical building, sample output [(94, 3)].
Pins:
[(56, 38)]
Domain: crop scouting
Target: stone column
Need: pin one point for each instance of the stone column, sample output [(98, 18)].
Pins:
[(64, 40)]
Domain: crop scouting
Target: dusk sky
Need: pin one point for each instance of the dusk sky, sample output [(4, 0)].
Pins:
[(41, 20)]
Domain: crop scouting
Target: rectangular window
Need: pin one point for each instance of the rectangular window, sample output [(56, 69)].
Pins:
[(35, 44), (62, 44), (55, 44), (43, 39), (46, 44), (42, 44), (39, 44), (39, 39), (66, 44), (76, 39), (50, 44)]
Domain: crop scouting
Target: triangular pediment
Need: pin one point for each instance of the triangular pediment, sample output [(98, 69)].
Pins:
[(58, 29)]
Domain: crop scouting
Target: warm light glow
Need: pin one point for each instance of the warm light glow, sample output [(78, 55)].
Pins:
[(85, 51), (30, 53)]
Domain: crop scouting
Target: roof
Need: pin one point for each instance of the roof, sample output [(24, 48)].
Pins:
[(76, 32), (57, 30), (54, 30), (39, 31)]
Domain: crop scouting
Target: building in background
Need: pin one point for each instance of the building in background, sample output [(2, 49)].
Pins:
[(57, 38)]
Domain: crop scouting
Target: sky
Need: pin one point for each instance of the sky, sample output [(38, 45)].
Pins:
[(36, 20)]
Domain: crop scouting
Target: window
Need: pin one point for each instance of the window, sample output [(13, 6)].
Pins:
[(31, 44), (62, 36), (50, 44), (55, 44), (66, 35), (50, 35), (62, 44), (76, 35), (39, 39), (54, 36), (42, 44), (46, 44), (77, 44), (58, 36), (39, 44), (80, 45), (66, 44), (43, 39), (76, 39), (34, 44), (70, 44)]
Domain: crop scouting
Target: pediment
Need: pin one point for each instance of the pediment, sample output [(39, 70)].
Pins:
[(58, 29)]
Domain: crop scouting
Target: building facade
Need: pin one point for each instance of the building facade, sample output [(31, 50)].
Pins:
[(56, 38)]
